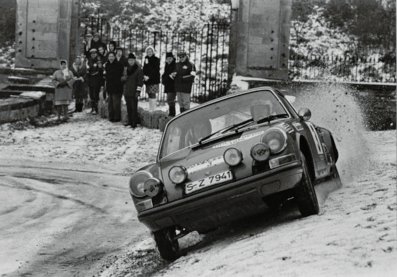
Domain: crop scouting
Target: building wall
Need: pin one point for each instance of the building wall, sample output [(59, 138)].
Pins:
[(262, 38), (46, 32)]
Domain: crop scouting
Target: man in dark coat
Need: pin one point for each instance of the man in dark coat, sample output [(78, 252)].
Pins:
[(114, 87), (95, 79), (120, 56), (185, 74), (133, 86), (79, 91), (168, 80)]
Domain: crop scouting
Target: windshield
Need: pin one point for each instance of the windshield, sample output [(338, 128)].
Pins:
[(187, 130)]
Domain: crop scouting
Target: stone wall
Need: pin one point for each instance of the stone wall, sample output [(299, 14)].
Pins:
[(260, 34), (13, 109), (46, 31)]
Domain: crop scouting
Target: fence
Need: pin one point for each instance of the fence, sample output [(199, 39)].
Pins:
[(367, 66), (207, 48)]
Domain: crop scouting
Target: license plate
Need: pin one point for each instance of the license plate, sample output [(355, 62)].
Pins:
[(208, 181)]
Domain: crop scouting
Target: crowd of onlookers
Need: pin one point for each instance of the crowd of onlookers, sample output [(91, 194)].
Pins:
[(106, 68)]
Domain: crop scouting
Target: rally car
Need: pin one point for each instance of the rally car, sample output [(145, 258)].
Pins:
[(230, 158)]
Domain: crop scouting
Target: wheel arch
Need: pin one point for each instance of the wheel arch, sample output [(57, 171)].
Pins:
[(305, 149)]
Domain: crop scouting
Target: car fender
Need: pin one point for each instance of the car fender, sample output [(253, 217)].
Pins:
[(329, 141)]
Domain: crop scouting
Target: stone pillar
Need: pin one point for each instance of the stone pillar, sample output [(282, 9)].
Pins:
[(46, 32), (263, 38)]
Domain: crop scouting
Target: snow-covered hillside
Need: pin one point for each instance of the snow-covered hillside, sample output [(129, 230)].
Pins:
[(319, 51)]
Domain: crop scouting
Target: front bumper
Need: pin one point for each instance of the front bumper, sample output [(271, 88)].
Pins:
[(223, 204)]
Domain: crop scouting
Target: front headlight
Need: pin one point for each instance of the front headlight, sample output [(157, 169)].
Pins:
[(177, 174), (137, 183), (276, 139), (232, 156)]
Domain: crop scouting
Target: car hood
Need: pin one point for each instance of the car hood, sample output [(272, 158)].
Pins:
[(205, 160)]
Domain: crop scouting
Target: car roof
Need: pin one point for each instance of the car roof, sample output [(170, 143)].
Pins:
[(224, 98)]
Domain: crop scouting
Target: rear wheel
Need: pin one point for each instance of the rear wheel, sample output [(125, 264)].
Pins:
[(305, 194), (167, 243)]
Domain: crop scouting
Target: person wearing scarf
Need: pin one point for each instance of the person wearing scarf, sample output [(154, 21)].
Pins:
[(151, 76), (63, 82), (79, 90)]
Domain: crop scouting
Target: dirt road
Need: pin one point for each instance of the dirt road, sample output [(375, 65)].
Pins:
[(64, 201)]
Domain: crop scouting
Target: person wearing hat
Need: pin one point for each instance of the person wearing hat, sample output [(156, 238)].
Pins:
[(184, 79), (63, 82), (151, 76), (133, 86), (95, 78), (114, 87), (79, 91), (168, 80)]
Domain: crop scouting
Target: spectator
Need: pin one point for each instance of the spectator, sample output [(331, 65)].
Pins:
[(168, 80), (185, 74), (79, 91), (120, 56), (114, 87), (95, 79), (63, 81), (133, 86), (102, 54), (97, 42), (111, 47), (151, 76), (87, 44)]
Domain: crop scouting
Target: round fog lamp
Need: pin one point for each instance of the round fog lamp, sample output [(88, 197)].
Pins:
[(177, 174), (232, 156), (260, 152), (137, 182), (152, 187)]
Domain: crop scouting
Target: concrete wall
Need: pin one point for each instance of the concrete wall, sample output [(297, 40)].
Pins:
[(262, 39), (46, 32)]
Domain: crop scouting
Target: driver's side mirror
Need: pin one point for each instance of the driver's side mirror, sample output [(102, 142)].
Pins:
[(305, 114)]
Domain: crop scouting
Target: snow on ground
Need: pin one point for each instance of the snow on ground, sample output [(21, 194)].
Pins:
[(355, 233), (85, 138)]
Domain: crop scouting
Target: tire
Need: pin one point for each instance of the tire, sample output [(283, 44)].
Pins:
[(167, 244), (305, 194)]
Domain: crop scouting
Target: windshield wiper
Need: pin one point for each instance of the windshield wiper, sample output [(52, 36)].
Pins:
[(272, 117), (224, 130)]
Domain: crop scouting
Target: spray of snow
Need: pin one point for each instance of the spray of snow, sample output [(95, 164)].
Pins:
[(334, 107)]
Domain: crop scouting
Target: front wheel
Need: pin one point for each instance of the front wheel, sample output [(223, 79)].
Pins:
[(167, 243), (305, 194)]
